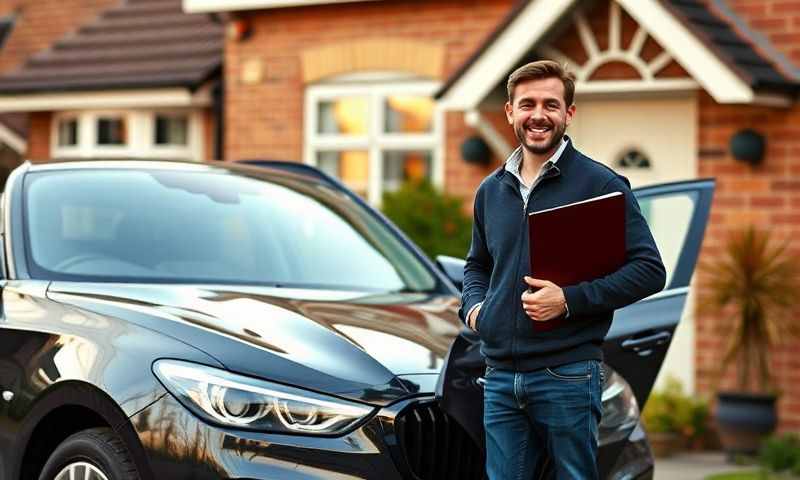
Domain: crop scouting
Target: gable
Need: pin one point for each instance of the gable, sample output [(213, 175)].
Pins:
[(614, 46), (604, 43)]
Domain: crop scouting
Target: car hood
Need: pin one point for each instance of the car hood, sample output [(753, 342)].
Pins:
[(365, 346)]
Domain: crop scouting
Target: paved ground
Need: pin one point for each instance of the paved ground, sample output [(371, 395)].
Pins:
[(693, 466)]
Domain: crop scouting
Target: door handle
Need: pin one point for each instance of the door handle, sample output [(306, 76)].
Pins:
[(650, 341)]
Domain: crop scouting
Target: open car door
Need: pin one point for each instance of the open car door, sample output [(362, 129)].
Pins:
[(640, 334)]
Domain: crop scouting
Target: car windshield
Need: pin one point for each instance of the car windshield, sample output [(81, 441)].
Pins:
[(210, 226)]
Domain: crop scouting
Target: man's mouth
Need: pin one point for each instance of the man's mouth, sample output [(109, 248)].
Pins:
[(537, 130)]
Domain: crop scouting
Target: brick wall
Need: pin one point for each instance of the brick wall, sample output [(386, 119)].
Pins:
[(209, 135), (462, 178), (40, 22), (39, 136), (266, 119), (767, 196)]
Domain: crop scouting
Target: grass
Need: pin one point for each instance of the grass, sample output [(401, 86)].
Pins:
[(737, 476)]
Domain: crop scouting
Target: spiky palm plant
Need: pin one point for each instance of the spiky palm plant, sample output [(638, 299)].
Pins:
[(759, 281)]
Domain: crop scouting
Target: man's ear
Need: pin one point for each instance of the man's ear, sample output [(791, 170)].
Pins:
[(509, 113), (570, 114)]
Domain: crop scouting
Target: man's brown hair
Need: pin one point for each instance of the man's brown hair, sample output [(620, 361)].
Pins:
[(539, 70)]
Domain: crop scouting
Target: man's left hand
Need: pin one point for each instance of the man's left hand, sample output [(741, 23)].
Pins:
[(546, 303)]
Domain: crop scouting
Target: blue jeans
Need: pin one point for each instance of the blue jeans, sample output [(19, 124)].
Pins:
[(550, 413)]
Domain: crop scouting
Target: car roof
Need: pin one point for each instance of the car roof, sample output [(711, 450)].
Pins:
[(257, 167)]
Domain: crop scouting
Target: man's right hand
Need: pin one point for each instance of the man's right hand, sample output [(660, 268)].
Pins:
[(473, 318)]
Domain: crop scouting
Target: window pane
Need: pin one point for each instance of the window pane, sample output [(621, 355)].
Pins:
[(351, 167), (343, 116), (669, 218), (111, 131), (6, 25), (171, 130), (408, 114), (68, 132), (400, 166)]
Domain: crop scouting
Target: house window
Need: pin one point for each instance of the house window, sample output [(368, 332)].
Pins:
[(408, 114), (402, 165), (149, 134), (171, 129), (343, 116), (374, 136), (111, 131), (633, 158), (68, 132), (6, 25), (352, 166)]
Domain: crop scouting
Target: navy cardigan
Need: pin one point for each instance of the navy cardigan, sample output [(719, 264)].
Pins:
[(498, 259)]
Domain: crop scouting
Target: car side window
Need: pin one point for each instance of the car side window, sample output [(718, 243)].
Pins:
[(669, 218)]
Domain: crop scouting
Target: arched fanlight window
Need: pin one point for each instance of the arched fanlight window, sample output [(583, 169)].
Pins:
[(633, 158)]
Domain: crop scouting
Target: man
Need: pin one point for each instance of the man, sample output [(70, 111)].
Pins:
[(543, 389)]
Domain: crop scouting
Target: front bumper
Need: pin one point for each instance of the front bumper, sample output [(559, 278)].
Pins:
[(410, 439), (180, 446)]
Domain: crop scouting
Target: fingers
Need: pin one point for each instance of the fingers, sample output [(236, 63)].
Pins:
[(538, 313), (529, 297), (535, 282)]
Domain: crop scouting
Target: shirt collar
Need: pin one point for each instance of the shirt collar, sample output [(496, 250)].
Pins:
[(514, 161)]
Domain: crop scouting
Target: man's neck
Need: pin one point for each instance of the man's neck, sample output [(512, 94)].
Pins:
[(532, 163)]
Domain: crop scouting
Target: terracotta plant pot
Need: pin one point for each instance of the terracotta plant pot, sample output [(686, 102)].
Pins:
[(665, 444)]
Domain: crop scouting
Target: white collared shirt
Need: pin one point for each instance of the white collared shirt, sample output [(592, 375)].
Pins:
[(514, 166)]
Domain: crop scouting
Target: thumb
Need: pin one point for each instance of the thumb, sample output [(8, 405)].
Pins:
[(535, 282)]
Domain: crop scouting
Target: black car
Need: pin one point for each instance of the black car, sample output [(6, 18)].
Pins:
[(200, 321)]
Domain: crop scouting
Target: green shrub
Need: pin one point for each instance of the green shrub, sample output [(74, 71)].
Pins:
[(434, 220), (670, 410), (781, 453)]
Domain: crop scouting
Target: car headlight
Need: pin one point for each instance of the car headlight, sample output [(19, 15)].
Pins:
[(620, 409), (242, 402)]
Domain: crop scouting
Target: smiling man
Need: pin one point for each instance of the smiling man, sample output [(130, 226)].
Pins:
[(543, 388)]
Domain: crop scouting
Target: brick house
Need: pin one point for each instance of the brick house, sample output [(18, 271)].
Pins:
[(112, 79), (377, 91), (25, 28)]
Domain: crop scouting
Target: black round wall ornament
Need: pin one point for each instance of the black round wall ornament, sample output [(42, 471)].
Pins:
[(475, 150), (748, 146)]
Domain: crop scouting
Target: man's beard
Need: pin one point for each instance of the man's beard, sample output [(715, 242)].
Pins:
[(555, 138)]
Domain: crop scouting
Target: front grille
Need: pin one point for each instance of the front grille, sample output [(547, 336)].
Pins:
[(436, 447)]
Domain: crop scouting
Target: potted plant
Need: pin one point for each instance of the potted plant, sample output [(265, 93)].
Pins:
[(673, 419), (754, 285), (663, 432)]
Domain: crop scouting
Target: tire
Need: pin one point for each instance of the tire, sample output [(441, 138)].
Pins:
[(101, 448)]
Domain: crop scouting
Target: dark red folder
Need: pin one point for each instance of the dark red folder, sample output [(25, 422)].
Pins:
[(577, 242)]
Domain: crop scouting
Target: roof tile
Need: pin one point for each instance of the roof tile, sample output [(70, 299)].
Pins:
[(140, 43)]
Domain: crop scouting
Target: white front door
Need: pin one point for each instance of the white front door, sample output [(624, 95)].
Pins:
[(649, 140)]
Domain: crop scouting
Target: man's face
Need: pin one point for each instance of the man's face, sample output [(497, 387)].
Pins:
[(539, 114)]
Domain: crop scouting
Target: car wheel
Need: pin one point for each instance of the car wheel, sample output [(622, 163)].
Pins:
[(93, 454)]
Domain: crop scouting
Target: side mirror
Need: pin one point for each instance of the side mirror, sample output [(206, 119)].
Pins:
[(453, 268)]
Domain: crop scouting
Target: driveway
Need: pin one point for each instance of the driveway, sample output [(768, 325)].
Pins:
[(693, 466)]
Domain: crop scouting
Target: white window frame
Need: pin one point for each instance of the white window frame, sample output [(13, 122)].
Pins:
[(376, 89), (140, 126)]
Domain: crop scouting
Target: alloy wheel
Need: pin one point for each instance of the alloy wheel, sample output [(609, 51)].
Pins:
[(81, 471)]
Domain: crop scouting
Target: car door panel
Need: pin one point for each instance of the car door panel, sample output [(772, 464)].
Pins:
[(655, 318), (640, 334)]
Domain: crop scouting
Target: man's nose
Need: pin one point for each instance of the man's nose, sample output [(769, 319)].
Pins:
[(537, 112)]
